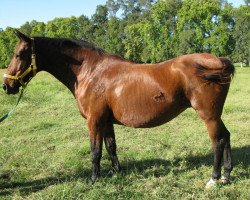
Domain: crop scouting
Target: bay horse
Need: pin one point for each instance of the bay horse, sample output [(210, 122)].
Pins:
[(112, 90)]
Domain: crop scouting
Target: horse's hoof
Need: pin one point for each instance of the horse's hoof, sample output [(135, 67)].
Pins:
[(93, 179), (117, 169), (225, 180), (89, 182), (212, 183)]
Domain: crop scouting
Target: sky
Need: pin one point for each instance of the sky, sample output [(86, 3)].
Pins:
[(15, 13)]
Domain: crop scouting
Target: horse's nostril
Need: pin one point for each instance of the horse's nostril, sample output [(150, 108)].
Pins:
[(5, 87)]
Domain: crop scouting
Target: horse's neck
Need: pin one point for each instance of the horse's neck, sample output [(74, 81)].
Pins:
[(60, 69), (65, 75), (67, 72)]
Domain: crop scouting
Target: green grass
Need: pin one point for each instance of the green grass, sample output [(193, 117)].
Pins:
[(45, 151)]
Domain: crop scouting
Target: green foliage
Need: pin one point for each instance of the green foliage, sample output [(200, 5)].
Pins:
[(85, 29), (115, 36), (8, 41), (129, 8), (205, 26), (100, 21), (152, 40), (63, 27), (151, 31), (39, 29), (241, 33), (222, 41), (133, 42)]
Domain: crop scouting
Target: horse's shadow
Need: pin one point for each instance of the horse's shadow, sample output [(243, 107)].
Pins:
[(159, 167)]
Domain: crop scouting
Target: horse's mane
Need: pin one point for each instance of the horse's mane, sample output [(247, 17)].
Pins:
[(65, 43)]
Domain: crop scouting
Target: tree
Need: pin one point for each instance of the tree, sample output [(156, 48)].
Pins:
[(100, 21), (134, 42), (63, 27), (211, 23), (51, 28), (164, 16), (113, 7), (39, 29), (197, 16), (241, 33), (26, 28), (115, 36), (85, 31), (8, 41), (152, 40), (69, 28), (221, 41), (132, 11)]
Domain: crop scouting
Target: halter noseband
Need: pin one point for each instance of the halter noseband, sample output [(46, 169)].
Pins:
[(32, 68)]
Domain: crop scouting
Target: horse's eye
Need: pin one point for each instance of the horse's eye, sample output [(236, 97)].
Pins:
[(20, 55)]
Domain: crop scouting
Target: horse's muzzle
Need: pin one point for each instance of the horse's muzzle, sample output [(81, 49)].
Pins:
[(9, 90)]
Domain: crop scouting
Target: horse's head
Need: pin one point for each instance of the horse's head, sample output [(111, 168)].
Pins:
[(22, 66)]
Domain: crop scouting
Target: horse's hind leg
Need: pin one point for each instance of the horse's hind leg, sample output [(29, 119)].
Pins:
[(110, 143), (227, 155), (220, 138)]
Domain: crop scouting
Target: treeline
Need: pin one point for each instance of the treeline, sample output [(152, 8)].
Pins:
[(150, 30)]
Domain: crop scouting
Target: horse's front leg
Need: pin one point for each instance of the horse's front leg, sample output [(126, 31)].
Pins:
[(96, 140), (220, 138), (110, 143)]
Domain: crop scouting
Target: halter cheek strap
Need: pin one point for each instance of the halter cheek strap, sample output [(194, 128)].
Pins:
[(32, 68)]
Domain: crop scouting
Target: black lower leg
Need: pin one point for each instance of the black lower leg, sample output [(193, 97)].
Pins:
[(218, 155), (227, 155), (110, 143), (111, 148), (227, 161), (96, 158)]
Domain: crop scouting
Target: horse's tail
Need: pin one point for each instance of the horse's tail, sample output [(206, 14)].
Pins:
[(222, 74)]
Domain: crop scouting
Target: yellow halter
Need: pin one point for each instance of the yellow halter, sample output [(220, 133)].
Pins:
[(32, 68)]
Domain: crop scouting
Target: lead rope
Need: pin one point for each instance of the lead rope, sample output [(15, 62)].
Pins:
[(13, 109)]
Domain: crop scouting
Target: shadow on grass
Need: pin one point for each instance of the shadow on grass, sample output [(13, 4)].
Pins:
[(25, 188), (158, 167)]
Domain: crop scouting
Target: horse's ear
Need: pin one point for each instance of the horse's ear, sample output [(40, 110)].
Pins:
[(22, 37)]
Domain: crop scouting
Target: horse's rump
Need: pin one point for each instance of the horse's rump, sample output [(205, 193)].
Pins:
[(222, 73)]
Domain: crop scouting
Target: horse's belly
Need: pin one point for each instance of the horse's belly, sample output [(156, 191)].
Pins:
[(146, 101), (147, 115)]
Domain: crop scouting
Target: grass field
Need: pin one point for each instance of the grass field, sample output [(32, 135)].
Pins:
[(45, 151)]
